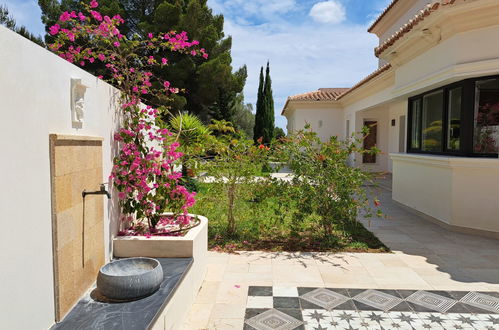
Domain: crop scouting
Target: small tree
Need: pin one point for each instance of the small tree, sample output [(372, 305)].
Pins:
[(323, 182), (236, 163)]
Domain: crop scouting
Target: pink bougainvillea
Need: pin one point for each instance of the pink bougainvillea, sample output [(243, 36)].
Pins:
[(144, 172)]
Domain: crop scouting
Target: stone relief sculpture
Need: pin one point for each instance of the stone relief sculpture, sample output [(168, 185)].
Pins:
[(77, 103)]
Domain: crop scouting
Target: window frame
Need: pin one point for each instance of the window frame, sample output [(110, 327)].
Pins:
[(467, 117)]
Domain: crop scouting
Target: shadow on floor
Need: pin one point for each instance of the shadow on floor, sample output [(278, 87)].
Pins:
[(466, 258)]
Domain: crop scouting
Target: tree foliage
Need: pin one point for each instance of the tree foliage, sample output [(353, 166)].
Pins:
[(207, 87), (264, 120)]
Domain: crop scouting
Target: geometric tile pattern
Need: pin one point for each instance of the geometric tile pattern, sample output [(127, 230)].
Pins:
[(481, 300), (325, 298), (378, 299), (432, 301), (273, 320), (338, 309)]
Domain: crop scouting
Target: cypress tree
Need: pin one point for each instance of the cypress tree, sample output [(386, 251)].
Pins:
[(268, 115), (258, 129)]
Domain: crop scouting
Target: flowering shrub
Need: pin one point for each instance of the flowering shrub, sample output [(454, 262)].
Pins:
[(143, 172), (325, 184)]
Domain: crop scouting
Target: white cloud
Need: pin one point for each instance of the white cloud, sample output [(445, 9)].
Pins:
[(331, 12)]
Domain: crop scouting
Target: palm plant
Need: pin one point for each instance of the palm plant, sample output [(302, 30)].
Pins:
[(192, 135)]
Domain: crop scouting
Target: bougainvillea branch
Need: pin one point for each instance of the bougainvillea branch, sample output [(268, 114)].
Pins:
[(143, 173)]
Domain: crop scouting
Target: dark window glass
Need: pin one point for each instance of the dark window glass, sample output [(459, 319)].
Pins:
[(486, 123), (431, 139), (416, 124), (454, 119)]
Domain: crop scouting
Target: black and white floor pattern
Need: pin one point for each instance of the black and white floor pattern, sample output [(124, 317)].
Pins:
[(288, 308)]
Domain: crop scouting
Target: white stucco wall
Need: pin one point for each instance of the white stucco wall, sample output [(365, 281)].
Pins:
[(396, 110), (325, 122), (465, 55), (461, 192), (35, 94)]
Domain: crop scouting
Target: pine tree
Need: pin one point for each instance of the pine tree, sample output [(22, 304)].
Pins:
[(264, 120), (258, 129)]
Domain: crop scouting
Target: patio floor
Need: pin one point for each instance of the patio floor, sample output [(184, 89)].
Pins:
[(425, 257)]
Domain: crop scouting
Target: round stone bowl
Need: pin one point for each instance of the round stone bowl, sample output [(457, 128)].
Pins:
[(130, 279)]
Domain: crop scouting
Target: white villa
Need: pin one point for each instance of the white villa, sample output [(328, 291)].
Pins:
[(433, 109)]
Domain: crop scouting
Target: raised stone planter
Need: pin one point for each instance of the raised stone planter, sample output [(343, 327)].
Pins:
[(193, 245)]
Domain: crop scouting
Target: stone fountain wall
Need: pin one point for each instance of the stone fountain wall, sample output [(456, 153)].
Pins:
[(78, 225)]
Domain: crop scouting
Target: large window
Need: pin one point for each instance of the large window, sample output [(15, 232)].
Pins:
[(431, 139), (486, 128), (460, 119), (454, 119)]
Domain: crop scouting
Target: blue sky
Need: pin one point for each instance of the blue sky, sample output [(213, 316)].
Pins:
[(310, 44)]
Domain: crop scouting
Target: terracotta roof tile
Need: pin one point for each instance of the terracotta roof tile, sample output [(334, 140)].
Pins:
[(418, 18), (323, 94), (380, 17), (370, 77)]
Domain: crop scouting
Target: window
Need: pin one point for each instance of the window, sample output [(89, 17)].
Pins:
[(486, 121), (431, 139), (460, 119), (416, 124), (454, 119)]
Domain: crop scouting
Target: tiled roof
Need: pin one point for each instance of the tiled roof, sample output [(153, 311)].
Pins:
[(323, 94), (334, 94), (370, 77), (418, 18), (380, 17)]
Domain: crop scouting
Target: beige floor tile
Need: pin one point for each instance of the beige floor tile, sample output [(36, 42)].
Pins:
[(215, 272), (293, 258), (251, 257), (228, 311), (226, 324), (237, 268), (248, 277), (256, 268), (208, 292), (232, 292), (296, 273), (199, 316)]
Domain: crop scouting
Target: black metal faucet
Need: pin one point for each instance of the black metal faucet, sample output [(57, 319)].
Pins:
[(102, 191)]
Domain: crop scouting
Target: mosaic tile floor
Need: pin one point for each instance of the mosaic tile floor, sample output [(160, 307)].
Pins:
[(288, 308)]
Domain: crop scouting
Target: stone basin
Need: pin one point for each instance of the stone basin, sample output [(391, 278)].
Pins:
[(129, 279)]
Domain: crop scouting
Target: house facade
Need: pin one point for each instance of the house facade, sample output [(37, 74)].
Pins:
[(432, 107)]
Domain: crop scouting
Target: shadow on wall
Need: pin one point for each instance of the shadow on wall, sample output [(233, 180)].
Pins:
[(113, 208)]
